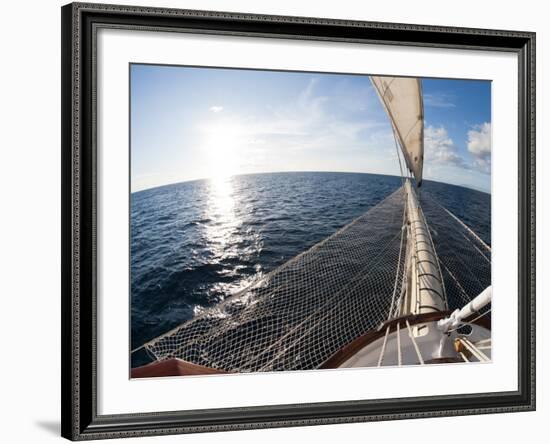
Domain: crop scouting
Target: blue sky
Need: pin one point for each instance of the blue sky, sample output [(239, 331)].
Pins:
[(191, 123)]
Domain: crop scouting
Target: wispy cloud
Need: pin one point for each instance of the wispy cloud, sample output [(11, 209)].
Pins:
[(320, 120), (439, 100), (479, 145), (309, 121), (216, 109)]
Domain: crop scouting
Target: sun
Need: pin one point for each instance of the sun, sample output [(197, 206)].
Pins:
[(222, 143)]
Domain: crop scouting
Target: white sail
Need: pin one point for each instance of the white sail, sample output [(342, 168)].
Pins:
[(402, 99)]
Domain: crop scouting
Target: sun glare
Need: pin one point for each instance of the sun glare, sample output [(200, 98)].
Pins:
[(221, 148)]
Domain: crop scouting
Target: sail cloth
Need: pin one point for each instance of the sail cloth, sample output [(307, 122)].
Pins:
[(402, 99)]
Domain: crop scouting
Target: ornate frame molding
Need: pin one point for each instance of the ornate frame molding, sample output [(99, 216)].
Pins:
[(79, 390)]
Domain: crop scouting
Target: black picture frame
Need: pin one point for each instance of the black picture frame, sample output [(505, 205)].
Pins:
[(79, 208)]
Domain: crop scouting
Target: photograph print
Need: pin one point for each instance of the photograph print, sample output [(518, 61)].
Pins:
[(284, 220)]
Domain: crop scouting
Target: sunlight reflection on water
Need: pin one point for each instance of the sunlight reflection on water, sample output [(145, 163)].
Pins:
[(227, 241), (220, 211)]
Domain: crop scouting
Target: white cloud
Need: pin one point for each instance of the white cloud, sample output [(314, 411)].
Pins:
[(216, 108), (440, 148), (479, 145)]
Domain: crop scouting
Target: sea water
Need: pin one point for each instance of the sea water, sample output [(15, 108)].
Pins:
[(194, 243)]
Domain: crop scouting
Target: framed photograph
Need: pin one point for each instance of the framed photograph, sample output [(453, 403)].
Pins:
[(277, 221)]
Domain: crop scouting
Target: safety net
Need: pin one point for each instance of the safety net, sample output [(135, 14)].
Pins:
[(465, 259), (304, 311)]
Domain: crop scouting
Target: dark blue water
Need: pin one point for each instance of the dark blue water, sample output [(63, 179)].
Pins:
[(194, 243)]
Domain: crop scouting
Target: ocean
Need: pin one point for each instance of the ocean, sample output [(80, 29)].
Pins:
[(194, 243)]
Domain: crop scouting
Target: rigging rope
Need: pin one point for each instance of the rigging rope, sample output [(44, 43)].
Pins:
[(398, 153), (467, 228), (403, 227)]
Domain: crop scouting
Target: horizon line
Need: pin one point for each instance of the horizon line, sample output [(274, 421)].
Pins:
[(303, 171)]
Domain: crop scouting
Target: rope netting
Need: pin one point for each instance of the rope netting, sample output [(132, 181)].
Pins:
[(465, 259), (305, 310), (301, 313)]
